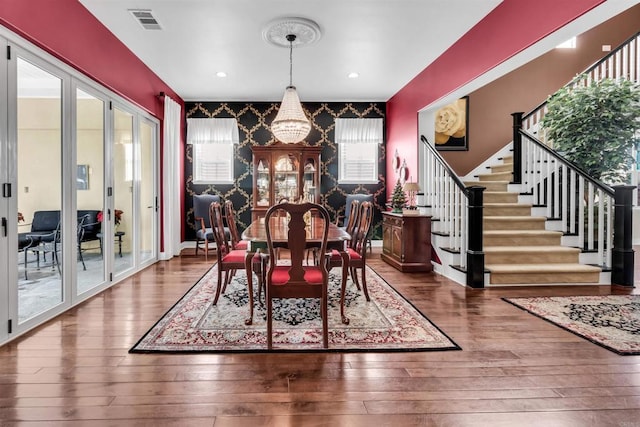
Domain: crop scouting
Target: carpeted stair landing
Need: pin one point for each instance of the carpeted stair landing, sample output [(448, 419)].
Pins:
[(518, 249)]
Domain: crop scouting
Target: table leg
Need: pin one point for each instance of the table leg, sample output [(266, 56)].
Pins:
[(345, 267), (248, 265)]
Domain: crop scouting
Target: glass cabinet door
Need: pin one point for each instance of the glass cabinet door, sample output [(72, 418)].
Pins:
[(285, 180), (309, 180), (263, 182)]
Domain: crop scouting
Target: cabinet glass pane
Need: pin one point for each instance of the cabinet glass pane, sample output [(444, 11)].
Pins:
[(310, 185), (262, 182), (286, 178)]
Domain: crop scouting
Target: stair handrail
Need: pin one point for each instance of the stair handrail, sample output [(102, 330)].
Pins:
[(456, 179), (531, 121), (598, 215), (457, 210), (559, 158)]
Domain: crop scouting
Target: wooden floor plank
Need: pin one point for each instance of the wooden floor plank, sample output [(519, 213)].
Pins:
[(514, 369)]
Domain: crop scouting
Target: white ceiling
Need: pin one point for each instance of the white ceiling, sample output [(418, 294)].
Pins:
[(388, 42)]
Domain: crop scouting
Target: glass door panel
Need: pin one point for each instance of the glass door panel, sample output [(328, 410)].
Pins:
[(123, 169), (38, 189), (147, 225), (90, 190)]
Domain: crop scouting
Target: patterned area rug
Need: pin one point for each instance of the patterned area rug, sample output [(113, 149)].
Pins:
[(387, 323), (611, 321)]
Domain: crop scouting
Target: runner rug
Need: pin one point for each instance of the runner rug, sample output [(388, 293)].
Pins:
[(611, 321), (387, 323)]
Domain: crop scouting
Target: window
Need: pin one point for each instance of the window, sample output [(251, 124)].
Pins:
[(213, 149), (358, 142), (213, 163), (569, 44)]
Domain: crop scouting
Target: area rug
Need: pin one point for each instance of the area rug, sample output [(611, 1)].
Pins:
[(611, 321), (386, 323)]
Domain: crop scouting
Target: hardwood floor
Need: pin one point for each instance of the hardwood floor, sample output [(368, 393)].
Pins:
[(514, 369)]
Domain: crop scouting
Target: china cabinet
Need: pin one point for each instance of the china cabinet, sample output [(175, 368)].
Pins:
[(284, 171)]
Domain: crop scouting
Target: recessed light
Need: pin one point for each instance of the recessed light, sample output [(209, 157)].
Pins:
[(353, 75), (221, 74)]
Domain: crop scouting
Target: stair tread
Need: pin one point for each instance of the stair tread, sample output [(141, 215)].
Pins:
[(507, 204), (542, 268), (522, 232), (469, 183), (525, 249), (515, 218)]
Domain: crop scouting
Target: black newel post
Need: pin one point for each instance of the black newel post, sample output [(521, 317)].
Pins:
[(622, 252), (475, 252), (517, 147)]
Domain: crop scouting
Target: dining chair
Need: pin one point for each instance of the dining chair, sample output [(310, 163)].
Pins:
[(201, 203), (230, 217), (25, 241), (347, 211), (293, 278), (357, 249), (351, 223), (230, 260)]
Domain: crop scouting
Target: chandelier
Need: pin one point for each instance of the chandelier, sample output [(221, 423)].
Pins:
[(291, 125)]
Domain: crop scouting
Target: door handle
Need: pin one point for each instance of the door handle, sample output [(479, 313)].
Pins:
[(4, 226)]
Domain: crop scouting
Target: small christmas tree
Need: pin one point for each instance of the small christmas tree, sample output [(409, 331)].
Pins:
[(398, 198)]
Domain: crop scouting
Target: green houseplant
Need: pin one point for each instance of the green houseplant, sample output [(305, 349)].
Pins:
[(595, 126)]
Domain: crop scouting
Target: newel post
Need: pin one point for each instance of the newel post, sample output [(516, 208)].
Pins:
[(517, 147), (475, 251), (622, 264)]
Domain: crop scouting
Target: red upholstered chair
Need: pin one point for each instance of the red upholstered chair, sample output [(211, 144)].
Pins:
[(357, 249), (229, 259), (230, 216), (293, 278), (349, 226)]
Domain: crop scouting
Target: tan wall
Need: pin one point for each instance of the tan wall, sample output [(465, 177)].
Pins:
[(39, 156), (490, 107)]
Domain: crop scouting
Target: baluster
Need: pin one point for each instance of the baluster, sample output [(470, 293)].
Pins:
[(590, 206), (573, 207), (581, 211), (601, 223)]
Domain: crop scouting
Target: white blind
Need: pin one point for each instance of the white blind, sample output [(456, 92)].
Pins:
[(213, 163), (212, 131), (358, 141)]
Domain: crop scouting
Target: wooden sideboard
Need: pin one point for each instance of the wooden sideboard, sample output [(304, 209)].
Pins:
[(406, 241)]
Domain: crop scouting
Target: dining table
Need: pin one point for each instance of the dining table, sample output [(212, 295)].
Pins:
[(256, 235)]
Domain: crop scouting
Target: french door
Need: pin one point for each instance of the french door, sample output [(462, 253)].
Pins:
[(78, 169)]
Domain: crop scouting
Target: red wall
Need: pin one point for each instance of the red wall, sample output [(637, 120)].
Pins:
[(68, 31), (510, 28)]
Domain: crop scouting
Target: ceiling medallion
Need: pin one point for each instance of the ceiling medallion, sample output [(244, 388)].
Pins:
[(306, 31)]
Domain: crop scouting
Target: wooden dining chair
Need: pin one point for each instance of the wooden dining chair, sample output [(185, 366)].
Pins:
[(293, 278), (349, 226), (230, 260), (357, 249), (230, 217)]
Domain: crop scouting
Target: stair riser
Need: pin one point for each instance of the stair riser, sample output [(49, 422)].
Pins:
[(500, 197), (501, 176), (542, 278), (507, 211), (541, 240), (489, 185), (502, 168), (531, 258), (525, 224)]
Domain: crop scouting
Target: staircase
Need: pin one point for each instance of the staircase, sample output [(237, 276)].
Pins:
[(517, 246)]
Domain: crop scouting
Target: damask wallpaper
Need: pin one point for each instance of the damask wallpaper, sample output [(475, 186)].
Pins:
[(253, 122)]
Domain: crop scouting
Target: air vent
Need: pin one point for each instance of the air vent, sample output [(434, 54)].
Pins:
[(146, 19)]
